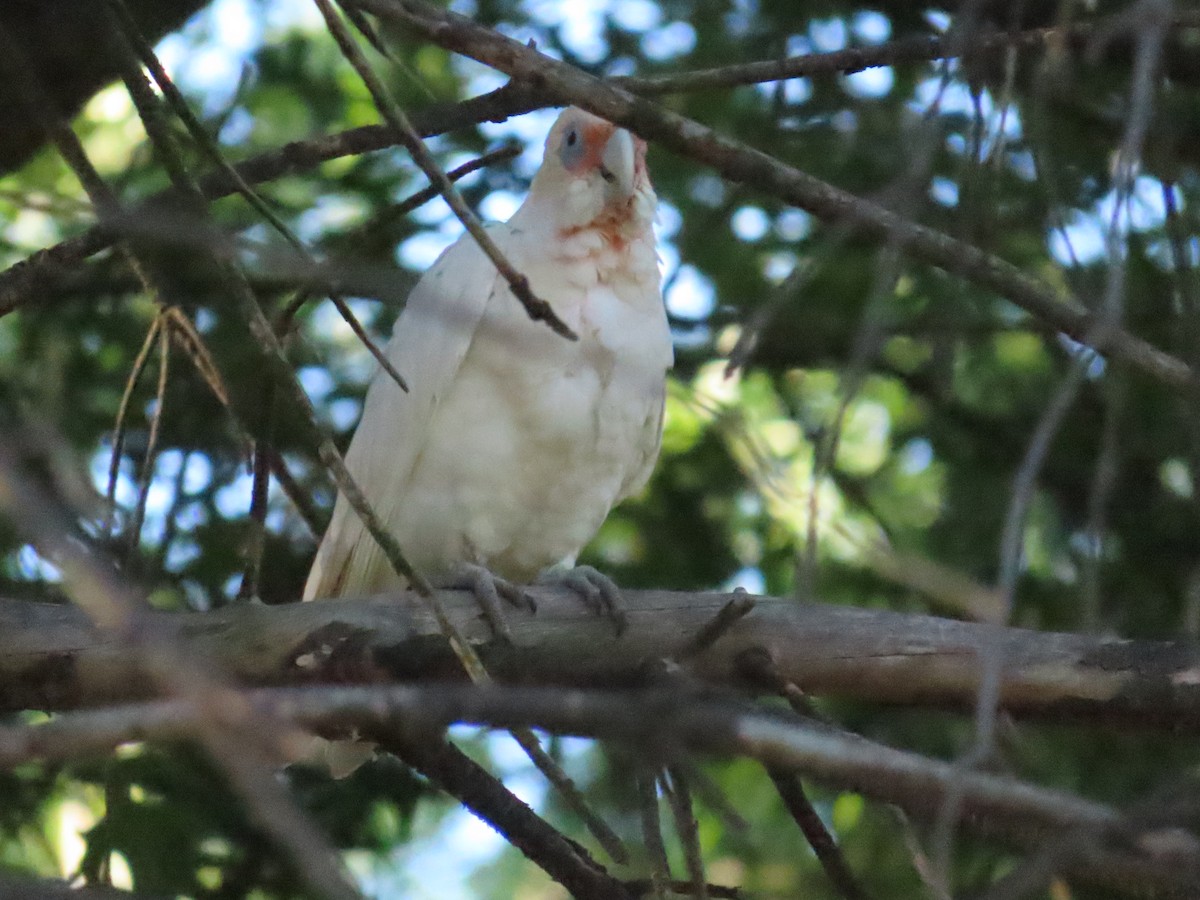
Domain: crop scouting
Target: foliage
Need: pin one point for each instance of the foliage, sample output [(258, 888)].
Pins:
[(902, 398)]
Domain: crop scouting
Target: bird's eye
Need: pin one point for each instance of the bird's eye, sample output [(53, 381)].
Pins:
[(572, 137)]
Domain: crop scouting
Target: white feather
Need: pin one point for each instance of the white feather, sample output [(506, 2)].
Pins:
[(513, 443)]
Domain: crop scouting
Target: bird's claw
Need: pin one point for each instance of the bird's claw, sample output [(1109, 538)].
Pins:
[(596, 589), (489, 590)]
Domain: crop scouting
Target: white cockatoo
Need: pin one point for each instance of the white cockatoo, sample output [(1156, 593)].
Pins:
[(513, 443)]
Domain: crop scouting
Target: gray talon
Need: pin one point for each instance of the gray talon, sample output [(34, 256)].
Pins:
[(491, 591), (599, 592), (515, 594)]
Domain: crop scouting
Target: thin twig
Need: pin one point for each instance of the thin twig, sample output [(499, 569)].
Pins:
[(1104, 479), (181, 108), (117, 609), (478, 790), (190, 341), (729, 615), (829, 855), (712, 796), (897, 52), (367, 341), (571, 795), (309, 513), (920, 859), (538, 309), (372, 228), (118, 439), (679, 796), (151, 457), (660, 865), (743, 164), (260, 496), (1103, 330)]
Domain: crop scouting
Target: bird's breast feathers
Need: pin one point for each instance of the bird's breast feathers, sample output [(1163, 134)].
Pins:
[(541, 436), (513, 443)]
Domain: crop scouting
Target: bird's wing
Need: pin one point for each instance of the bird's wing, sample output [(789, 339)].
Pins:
[(646, 452), (429, 342)]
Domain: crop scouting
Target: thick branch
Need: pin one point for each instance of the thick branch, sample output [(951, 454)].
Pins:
[(50, 658)]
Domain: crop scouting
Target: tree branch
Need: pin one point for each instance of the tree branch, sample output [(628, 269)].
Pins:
[(479, 791), (918, 48), (661, 724), (741, 163), (50, 657), (36, 275)]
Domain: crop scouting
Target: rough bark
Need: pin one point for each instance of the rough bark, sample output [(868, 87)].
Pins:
[(50, 658)]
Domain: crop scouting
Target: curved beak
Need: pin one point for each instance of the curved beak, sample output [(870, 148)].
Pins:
[(617, 165)]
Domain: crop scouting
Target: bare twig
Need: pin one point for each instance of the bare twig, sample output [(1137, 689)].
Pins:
[(1103, 329), (743, 164), (151, 457), (190, 341), (260, 496), (897, 52), (246, 747), (737, 608), (1104, 479), (712, 796), (367, 341), (300, 500), (473, 786), (679, 796), (571, 795), (829, 855), (538, 309), (414, 201), (920, 859), (118, 439), (660, 865)]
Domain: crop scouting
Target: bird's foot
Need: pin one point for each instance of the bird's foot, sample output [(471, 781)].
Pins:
[(489, 590), (596, 589)]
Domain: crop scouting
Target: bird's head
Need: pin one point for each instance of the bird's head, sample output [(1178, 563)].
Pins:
[(593, 174)]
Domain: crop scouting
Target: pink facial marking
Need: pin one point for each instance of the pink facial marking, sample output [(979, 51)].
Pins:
[(595, 136)]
